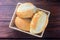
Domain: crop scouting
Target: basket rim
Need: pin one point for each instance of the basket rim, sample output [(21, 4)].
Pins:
[(13, 27)]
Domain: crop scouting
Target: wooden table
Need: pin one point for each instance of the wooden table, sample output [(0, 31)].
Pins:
[(7, 8)]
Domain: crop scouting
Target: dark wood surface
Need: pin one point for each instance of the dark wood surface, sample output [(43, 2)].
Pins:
[(7, 8)]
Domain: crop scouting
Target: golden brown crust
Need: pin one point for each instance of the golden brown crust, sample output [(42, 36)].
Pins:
[(35, 19), (23, 24), (26, 13)]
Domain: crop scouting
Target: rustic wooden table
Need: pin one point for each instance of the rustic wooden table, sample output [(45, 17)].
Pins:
[(7, 8)]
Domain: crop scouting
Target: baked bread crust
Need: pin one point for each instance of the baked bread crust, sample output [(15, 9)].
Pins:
[(26, 10), (23, 24), (38, 23)]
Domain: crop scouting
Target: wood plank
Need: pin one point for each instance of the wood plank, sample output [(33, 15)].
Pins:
[(37, 2), (7, 32), (7, 11)]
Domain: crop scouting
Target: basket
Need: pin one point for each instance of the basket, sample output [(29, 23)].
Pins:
[(12, 25)]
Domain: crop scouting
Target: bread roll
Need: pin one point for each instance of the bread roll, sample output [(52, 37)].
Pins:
[(23, 24), (26, 10), (39, 22)]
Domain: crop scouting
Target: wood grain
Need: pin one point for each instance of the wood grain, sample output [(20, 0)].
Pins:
[(7, 8)]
